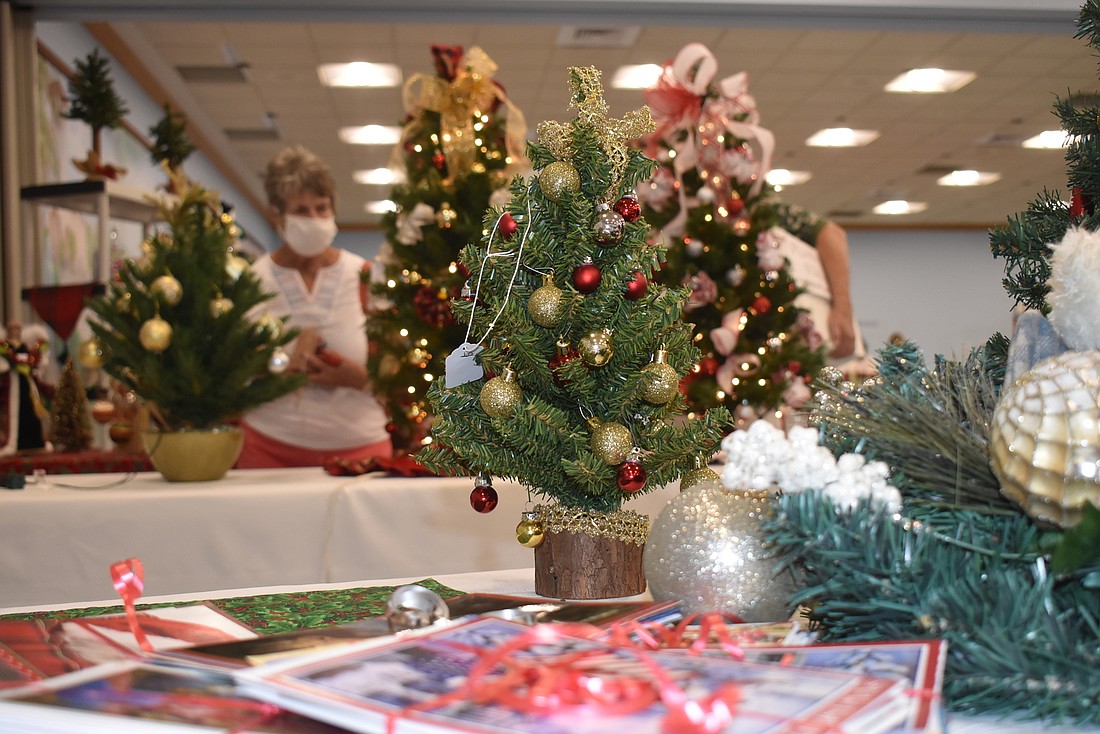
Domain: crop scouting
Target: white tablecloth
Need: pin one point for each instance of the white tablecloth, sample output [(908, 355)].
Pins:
[(253, 528)]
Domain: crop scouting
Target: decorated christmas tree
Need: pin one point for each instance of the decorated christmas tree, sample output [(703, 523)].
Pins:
[(175, 326), (582, 359), (170, 146), (70, 420), (460, 142), (997, 545), (709, 205), (93, 100)]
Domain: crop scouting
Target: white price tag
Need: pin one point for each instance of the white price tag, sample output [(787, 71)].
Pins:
[(460, 367)]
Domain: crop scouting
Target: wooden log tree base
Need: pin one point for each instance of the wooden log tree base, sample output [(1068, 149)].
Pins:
[(581, 566)]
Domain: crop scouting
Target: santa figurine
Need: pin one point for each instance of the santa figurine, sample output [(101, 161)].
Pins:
[(21, 389)]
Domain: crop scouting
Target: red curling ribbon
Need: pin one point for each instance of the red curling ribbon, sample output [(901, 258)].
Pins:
[(129, 580)]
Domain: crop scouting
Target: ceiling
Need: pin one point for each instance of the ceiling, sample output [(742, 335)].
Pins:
[(805, 74)]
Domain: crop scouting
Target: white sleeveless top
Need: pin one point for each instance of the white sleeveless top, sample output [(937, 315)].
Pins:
[(318, 417)]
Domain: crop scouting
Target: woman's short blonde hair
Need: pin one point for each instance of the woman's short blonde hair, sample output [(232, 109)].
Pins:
[(297, 170)]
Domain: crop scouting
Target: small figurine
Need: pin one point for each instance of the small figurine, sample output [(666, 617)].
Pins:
[(22, 388)]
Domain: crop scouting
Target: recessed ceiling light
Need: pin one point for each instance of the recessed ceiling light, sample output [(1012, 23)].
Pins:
[(930, 81), (380, 207), (636, 76), (900, 206), (371, 134), (841, 137), (785, 177), (967, 177), (378, 176), (359, 74), (1048, 139)]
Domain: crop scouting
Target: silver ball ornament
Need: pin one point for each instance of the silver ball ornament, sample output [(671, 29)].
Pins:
[(706, 548), (279, 361), (609, 226)]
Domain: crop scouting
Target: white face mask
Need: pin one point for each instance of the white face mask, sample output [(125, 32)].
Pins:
[(309, 236)]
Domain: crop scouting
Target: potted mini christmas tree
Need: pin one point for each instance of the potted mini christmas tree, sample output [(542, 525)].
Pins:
[(175, 327), (170, 146), (582, 359), (460, 142), (93, 100)]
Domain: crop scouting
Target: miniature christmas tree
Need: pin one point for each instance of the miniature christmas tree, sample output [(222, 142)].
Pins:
[(709, 205), (93, 100), (175, 326), (581, 401), (461, 139), (170, 146), (70, 423)]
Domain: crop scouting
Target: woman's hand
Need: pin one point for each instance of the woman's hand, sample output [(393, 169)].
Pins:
[(331, 369)]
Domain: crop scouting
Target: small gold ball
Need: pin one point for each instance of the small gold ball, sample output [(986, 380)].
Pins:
[(697, 476), (596, 347), (611, 443), (659, 384), (90, 353), (155, 334), (500, 395), (168, 288), (545, 305), (559, 179), (531, 531), (220, 306)]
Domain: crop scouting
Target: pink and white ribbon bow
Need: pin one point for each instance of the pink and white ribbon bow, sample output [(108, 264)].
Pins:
[(725, 337)]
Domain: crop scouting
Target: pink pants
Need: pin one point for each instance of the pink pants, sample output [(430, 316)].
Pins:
[(263, 452)]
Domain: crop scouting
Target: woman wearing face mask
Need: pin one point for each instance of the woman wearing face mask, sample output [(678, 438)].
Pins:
[(318, 287)]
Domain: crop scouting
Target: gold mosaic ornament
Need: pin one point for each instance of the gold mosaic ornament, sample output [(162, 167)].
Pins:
[(1045, 438), (500, 395)]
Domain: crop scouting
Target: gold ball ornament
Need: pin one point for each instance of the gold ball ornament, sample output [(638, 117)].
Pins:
[(220, 306), (500, 395), (278, 362), (659, 383), (546, 304), (168, 288), (531, 531), (235, 265), (446, 216), (700, 473), (90, 353), (611, 442), (1045, 438), (596, 347), (124, 302), (155, 334), (559, 179)]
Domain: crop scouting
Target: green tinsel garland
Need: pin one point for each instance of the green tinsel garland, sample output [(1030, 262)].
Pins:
[(960, 563)]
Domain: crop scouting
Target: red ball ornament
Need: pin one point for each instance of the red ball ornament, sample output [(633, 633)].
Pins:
[(586, 278), (631, 476), (761, 304), (507, 225), (794, 366), (628, 208), (484, 498), (1078, 206), (565, 354), (439, 160), (735, 205), (708, 366), (636, 286)]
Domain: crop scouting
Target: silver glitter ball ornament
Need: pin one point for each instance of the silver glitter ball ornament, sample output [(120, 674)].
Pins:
[(706, 549)]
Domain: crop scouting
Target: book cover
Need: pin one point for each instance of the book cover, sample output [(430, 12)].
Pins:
[(421, 683)]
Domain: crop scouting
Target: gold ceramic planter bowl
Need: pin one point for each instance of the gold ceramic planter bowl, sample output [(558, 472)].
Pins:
[(193, 455)]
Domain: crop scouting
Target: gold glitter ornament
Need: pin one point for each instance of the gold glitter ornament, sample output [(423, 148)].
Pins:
[(559, 179), (700, 473), (659, 383), (124, 302), (1044, 438), (531, 531), (155, 334), (545, 304), (235, 265), (446, 216), (90, 353), (168, 288), (610, 442), (500, 395), (220, 306), (707, 549), (596, 347)]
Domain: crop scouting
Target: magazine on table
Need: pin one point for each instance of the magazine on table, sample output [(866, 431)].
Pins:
[(129, 696), (36, 649), (421, 684)]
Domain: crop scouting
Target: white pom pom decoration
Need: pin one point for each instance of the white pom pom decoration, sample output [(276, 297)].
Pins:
[(1074, 282)]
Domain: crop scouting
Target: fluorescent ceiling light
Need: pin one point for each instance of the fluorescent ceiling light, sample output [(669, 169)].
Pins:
[(930, 81), (787, 177), (1048, 139), (359, 74), (967, 177), (378, 176), (636, 76), (380, 207), (371, 134), (841, 137), (900, 206)]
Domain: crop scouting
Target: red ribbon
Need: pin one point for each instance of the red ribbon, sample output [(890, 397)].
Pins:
[(129, 579)]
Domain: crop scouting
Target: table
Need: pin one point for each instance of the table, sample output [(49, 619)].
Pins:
[(255, 527)]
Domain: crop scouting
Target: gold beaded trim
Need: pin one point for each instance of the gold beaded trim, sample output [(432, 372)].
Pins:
[(625, 525)]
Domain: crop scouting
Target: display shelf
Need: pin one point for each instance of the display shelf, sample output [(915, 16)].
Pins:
[(123, 202)]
